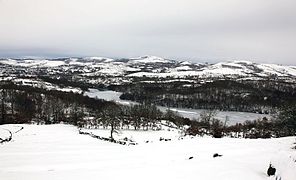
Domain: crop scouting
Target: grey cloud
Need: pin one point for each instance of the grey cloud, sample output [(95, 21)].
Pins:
[(201, 30)]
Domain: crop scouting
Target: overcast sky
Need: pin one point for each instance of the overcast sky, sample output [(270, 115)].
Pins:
[(199, 30)]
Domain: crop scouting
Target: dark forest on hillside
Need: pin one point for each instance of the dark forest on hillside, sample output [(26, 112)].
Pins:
[(226, 95), (24, 104)]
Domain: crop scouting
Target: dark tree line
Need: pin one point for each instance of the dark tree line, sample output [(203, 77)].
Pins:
[(26, 104), (227, 95)]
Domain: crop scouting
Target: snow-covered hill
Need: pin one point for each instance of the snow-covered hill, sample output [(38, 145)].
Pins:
[(147, 66), (51, 152)]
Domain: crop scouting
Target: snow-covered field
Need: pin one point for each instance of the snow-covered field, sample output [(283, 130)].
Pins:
[(51, 152), (232, 116)]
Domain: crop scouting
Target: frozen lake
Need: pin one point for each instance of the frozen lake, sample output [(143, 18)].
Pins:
[(232, 116), (108, 96)]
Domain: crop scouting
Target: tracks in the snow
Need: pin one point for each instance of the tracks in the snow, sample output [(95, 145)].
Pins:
[(107, 139), (6, 139), (9, 138)]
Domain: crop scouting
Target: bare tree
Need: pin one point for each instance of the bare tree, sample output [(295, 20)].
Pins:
[(207, 116), (112, 116), (3, 110)]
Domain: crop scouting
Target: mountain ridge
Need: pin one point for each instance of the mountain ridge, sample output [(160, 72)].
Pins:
[(156, 67)]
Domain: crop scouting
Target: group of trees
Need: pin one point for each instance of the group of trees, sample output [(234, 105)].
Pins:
[(27, 104), (285, 121), (21, 104), (228, 95), (282, 124), (116, 117), (208, 124), (270, 95)]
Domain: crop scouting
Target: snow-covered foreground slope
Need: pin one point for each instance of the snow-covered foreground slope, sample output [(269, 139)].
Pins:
[(59, 152)]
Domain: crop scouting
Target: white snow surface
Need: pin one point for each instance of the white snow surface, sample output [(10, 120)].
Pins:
[(44, 85), (232, 117), (4, 133), (106, 95), (183, 68), (33, 63), (58, 152), (148, 59)]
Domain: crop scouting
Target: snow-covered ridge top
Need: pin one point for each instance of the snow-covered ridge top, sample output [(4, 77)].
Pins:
[(152, 66), (149, 59)]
